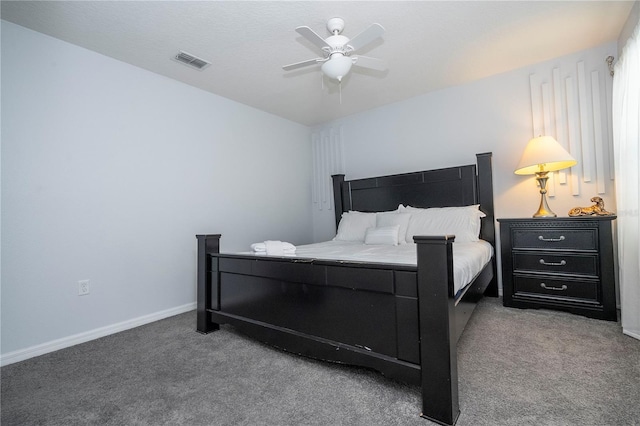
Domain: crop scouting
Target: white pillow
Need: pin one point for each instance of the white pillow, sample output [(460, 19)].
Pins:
[(395, 218), (353, 226), (463, 222), (386, 235)]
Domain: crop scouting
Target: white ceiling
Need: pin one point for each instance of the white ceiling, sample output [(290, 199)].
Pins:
[(428, 45)]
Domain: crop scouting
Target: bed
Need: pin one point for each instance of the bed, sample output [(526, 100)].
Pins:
[(403, 320)]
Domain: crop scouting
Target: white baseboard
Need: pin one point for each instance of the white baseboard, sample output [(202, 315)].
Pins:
[(631, 334), (65, 342)]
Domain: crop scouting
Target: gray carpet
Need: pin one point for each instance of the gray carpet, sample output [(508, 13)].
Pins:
[(516, 367)]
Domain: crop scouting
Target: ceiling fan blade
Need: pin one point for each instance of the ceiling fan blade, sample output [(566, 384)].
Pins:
[(312, 36), (371, 63), (303, 64), (366, 37)]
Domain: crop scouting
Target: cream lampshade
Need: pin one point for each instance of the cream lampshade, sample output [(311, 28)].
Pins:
[(543, 155)]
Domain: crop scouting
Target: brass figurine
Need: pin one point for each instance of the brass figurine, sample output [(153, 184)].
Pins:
[(597, 209)]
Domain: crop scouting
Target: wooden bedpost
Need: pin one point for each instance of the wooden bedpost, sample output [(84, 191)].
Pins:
[(338, 180), (488, 231), (206, 244), (438, 352)]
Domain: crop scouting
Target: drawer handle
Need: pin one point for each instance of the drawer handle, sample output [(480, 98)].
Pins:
[(564, 287), (561, 263), (554, 240)]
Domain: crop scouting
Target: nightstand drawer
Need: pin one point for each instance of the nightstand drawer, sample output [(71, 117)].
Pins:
[(553, 288), (561, 263), (555, 239)]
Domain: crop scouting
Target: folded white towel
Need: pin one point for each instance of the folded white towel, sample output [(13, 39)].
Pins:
[(276, 248), (258, 247)]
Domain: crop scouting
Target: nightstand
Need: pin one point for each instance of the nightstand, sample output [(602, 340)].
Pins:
[(559, 263)]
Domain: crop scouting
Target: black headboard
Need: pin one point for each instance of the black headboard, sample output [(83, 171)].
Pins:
[(450, 187)]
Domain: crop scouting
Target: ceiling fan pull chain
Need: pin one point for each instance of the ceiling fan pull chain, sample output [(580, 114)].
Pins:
[(340, 90)]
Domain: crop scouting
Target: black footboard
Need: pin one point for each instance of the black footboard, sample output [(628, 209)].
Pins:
[(399, 320)]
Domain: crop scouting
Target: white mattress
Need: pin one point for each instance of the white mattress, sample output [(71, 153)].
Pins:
[(468, 258)]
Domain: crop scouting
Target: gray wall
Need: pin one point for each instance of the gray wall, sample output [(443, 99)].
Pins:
[(498, 114), (108, 172)]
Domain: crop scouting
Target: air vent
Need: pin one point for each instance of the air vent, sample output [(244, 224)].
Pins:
[(190, 60)]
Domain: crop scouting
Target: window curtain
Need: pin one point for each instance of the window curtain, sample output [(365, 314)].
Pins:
[(626, 134)]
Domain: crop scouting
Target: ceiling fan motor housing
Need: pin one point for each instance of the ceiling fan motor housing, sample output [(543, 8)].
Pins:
[(335, 25), (338, 43)]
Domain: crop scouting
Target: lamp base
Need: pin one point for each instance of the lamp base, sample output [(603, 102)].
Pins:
[(543, 209)]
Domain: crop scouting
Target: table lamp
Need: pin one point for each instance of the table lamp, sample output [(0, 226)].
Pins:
[(543, 155)]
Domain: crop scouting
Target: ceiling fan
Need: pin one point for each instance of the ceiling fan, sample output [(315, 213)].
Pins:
[(338, 50)]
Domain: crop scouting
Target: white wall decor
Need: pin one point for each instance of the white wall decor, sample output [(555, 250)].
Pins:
[(575, 148), (576, 114), (328, 160), (598, 134), (560, 120), (586, 129)]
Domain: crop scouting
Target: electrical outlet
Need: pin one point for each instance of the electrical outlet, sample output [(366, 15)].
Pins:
[(83, 287)]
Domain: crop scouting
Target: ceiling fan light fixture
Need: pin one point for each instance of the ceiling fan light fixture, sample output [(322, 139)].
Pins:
[(337, 67)]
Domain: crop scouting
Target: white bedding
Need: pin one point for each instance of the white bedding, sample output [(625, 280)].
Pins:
[(468, 258)]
